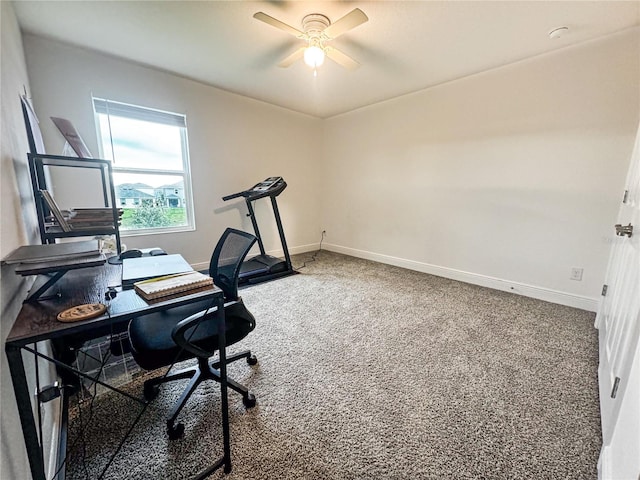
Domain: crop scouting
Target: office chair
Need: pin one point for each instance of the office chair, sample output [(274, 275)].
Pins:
[(163, 338)]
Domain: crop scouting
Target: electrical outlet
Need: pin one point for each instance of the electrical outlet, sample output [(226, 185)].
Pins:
[(576, 274)]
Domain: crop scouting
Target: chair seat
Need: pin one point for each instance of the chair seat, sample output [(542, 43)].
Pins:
[(191, 331), (152, 344)]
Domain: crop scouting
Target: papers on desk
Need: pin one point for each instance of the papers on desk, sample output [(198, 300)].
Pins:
[(172, 285), (143, 268)]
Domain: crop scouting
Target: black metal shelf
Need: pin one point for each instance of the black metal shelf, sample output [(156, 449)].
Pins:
[(48, 233)]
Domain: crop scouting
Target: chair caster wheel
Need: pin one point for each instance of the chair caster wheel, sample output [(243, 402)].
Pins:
[(175, 431), (150, 391), (249, 401), (252, 360)]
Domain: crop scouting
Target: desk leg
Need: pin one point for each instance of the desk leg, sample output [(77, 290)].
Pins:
[(222, 353), (225, 461), (23, 399)]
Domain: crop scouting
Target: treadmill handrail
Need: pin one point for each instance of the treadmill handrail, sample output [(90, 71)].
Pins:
[(232, 196), (251, 195)]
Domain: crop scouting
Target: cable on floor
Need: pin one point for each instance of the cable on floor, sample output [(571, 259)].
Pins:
[(315, 254)]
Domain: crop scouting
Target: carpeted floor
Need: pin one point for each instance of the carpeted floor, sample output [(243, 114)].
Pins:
[(368, 371)]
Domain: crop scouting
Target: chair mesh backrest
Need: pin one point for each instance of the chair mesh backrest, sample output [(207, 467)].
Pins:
[(227, 258)]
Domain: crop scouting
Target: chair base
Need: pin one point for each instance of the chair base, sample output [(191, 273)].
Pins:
[(198, 374)]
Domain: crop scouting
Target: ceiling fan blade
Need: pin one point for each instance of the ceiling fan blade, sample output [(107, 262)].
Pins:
[(274, 22), (350, 20), (341, 59), (297, 55)]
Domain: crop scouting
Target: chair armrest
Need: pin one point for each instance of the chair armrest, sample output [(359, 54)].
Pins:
[(179, 331)]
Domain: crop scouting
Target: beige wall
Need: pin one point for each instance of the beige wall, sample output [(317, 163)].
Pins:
[(17, 227), (507, 178), (234, 142)]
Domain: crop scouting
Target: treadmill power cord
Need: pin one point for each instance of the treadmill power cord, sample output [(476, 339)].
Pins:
[(315, 254)]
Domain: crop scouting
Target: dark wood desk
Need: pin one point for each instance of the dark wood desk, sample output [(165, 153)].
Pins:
[(37, 321)]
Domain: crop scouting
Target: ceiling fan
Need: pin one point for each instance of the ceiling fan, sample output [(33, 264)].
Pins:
[(317, 31)]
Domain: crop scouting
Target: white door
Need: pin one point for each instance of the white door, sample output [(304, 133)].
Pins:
[(618, 321)]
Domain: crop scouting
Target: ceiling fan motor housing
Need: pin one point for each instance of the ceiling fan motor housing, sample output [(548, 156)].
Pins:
[(314, 24)]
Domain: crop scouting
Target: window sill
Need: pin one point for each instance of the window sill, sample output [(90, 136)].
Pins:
[(156, 231)]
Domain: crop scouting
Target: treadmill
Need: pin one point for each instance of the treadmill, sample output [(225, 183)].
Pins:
[(264, 267)]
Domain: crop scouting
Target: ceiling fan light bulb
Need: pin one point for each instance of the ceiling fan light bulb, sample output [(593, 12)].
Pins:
[(314, 56)]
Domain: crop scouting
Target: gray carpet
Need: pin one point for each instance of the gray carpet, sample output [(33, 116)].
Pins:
[(368, 371)]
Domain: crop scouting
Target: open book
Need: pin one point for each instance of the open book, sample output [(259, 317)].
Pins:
[(172, 284)]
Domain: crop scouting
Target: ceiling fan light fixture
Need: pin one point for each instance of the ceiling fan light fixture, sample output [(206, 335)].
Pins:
[(316, 31), (314, 56)]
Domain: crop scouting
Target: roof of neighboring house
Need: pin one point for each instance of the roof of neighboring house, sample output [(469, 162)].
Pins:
[(131, 193), (173, 185), (135, 185)]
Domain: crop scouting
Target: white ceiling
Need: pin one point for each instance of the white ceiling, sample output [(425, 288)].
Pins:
[(404, 47)]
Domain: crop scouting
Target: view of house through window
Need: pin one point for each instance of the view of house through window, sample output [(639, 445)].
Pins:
[(150, 158)]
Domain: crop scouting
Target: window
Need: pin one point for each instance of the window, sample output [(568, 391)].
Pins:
[(150, 158)]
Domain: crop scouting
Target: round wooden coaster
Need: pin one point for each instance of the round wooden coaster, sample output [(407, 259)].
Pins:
[(82, 312)]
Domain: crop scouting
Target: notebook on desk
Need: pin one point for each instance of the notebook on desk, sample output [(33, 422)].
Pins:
[(143, 268)]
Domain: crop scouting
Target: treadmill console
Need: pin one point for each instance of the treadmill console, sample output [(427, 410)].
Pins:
[(269, 187), (266, 184)]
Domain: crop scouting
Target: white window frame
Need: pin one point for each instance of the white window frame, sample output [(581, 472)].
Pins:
[(115, 108)]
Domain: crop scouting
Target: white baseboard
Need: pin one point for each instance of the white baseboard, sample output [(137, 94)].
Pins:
[(604, 467), (540, 293), (200, 266), (312, 247)]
